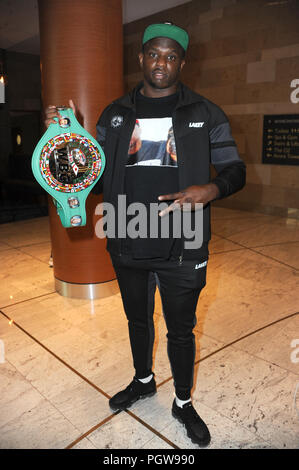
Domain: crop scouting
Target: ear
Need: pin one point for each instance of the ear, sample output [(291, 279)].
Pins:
[(140, 58), (182, 65)]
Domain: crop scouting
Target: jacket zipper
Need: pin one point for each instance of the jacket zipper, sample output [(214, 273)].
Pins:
[(174, 128), (121, 240), (181, 257)]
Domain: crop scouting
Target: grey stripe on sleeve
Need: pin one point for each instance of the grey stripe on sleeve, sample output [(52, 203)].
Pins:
[(223, 146), (221, 133)]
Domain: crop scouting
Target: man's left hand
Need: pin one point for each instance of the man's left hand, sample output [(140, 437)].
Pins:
[(193, 194)]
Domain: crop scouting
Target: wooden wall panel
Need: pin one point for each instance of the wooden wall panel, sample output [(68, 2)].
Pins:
[(243, 55)]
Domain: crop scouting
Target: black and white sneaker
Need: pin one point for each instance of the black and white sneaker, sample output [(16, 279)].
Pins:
[(134, 391), (197, 430)]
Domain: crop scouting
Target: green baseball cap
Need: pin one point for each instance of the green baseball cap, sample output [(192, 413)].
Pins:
[(166, 30)]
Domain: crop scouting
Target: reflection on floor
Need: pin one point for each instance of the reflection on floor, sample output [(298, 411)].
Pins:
[(61, 359)]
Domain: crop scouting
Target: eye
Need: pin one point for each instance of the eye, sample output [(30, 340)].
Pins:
[(172, 57), (152, 54)]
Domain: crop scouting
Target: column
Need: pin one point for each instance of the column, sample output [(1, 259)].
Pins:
[(81, 59)]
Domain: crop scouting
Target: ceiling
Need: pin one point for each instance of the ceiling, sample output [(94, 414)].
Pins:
[(19, 29)]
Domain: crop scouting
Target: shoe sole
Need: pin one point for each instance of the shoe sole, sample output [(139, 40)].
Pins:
[(141, 397), (193, 439)]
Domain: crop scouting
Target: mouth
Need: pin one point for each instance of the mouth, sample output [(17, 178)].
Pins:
[(159, 75)]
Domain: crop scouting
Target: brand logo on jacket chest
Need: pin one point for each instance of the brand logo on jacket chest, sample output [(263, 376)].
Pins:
[(196, 124)]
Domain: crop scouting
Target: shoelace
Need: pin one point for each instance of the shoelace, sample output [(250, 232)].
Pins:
[(132, 386), (191, 413)]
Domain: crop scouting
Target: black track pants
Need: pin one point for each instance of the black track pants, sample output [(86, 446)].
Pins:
[(180, 286)]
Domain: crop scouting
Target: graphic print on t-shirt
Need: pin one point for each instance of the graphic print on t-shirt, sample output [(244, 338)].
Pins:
[(152, 143)]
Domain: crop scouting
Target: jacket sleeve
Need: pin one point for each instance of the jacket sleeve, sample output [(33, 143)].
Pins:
[(231, 170), (101, 137)]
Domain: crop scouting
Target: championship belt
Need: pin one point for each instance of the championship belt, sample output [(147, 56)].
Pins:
[(67, 162)]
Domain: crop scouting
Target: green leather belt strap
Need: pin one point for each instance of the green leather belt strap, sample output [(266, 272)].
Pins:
[(67, 162)]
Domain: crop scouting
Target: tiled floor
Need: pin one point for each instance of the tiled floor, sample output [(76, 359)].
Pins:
[(63, 358)]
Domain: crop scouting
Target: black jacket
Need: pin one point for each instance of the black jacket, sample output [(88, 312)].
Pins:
[(202, 135)]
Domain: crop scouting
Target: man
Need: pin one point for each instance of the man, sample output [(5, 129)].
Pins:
[(201, 136)]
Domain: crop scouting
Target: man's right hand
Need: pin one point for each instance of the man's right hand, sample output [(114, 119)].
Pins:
[(51, 112)]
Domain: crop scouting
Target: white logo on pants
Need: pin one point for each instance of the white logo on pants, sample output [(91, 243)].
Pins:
[(201, 265)]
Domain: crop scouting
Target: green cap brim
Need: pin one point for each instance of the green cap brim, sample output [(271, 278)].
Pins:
[(164, 30)]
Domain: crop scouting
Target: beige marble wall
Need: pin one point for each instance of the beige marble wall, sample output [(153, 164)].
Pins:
[(243, 55)]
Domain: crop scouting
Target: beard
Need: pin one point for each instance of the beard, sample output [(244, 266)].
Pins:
[(159, 86)]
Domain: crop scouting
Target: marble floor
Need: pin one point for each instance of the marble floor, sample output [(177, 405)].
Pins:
[(61, 359)]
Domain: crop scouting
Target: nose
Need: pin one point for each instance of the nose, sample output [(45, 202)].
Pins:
[(161, 61)]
